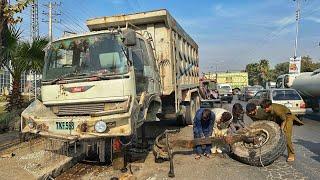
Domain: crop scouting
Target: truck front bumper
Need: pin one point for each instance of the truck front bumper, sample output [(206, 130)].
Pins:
[(76, 127)]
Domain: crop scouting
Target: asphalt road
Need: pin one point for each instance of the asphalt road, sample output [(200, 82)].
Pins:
[(307, 165)]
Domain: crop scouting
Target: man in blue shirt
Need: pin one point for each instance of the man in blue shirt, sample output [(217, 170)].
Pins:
[(203, 127)]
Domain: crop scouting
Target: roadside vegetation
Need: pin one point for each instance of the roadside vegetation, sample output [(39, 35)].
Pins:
[(261, 72)]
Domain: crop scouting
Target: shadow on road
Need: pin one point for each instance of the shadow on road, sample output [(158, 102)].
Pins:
[(313, 116), (311, 146)]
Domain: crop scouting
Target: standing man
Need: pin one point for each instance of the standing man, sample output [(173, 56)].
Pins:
[(203, 127), (283, 116)]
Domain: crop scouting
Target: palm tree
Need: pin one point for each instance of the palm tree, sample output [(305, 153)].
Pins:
[(20, 57)]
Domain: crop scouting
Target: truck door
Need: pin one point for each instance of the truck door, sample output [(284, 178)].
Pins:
[(149, 70), (138, 65), (144, 72), (155, 76)]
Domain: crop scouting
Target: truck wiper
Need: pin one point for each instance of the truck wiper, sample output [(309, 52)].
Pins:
[(67, 75)]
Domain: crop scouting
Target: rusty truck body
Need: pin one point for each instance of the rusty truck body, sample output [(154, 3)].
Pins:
[(106, 83)]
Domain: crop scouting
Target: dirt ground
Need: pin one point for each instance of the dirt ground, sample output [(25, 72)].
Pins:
[(30, 160)]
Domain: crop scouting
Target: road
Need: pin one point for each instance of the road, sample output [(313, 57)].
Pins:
[(307, 164)]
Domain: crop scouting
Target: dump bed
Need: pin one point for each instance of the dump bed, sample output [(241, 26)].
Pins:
[(175, 51)]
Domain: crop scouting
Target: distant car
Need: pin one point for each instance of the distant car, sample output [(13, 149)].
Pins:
[(287, 97), (248, 92), (270, 85), (225, 92)]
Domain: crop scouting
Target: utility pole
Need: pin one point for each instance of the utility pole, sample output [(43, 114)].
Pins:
[(51, 14), (34, 29), (34, 20), (297, 27)]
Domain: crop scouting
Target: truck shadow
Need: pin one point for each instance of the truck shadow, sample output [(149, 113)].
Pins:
[(311, 146)]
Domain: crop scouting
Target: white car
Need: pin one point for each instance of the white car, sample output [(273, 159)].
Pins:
[(225, 92), (287, 97)]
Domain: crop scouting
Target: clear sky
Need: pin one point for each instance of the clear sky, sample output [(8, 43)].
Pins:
[(230, 33)]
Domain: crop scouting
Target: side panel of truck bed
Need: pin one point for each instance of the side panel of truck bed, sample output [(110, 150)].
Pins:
[(176, 52)]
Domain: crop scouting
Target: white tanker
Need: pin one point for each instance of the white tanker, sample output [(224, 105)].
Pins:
[(307, 84)]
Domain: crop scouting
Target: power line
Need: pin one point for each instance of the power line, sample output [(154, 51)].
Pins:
[(74, 20), (87, 10), (67, 28)]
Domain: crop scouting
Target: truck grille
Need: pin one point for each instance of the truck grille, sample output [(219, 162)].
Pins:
[(78, 109)]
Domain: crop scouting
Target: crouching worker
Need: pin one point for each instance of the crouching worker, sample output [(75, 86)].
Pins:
[(283, 116), (222, 121), (237, 122), (203, 127)]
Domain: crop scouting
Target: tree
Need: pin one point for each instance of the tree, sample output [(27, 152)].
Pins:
[(281, 68), (307, 65), (21, 57), (8, 16), (253, 73), (265, 74)]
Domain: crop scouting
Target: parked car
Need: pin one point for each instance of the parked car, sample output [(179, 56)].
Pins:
[(248, 92), (288, 97), (225, 92)]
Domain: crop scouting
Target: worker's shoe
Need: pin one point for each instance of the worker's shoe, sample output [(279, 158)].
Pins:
[(291, 158), (207, 155)]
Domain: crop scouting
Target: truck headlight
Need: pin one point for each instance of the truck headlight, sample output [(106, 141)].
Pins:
[(100, 126)]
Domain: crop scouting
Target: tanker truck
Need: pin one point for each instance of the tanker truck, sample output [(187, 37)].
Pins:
[(99, 87), (307, 84)]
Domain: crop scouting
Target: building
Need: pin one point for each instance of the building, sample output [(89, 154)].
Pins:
[(26, 83)]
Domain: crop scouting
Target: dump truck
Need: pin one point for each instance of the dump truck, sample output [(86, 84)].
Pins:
[(99, 87), (306, 83), (237, 80)]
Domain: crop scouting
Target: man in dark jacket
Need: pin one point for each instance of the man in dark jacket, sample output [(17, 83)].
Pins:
[(203, 127)]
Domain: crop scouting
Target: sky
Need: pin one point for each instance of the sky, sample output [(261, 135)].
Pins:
[(230, 33)]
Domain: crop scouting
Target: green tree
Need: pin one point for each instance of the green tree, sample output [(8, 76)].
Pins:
[(279, 69), (8, 16), (19, 57), (307, 65), (253, 73), (265, 71)]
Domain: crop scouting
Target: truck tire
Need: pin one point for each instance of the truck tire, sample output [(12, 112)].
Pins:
[(271, 147)]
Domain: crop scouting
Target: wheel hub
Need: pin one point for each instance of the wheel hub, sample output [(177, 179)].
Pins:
[(260, 139)]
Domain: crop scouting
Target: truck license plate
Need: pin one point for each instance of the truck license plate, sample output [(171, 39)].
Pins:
[(65, 125)]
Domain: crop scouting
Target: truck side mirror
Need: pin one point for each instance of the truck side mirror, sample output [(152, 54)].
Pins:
[(129, 37)]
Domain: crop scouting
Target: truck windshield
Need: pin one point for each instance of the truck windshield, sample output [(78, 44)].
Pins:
[(101, 54)]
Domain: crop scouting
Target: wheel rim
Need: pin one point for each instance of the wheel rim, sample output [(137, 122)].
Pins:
[(263, 138)]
